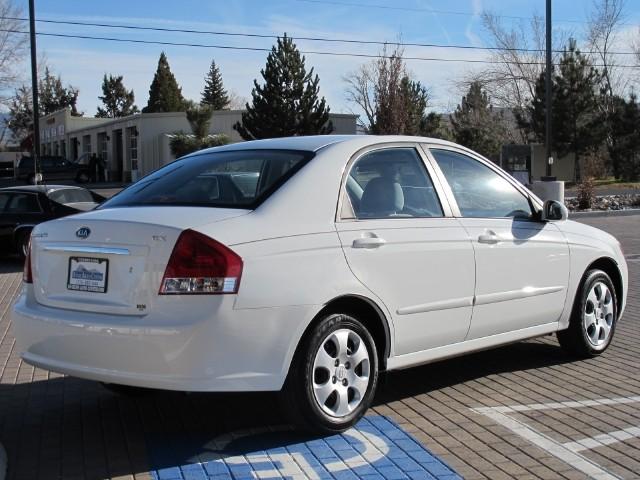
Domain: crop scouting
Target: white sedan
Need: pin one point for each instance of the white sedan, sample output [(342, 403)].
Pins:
[(309, 265)]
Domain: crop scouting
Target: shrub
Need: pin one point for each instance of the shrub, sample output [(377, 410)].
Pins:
[(586, 193), (182, 144)]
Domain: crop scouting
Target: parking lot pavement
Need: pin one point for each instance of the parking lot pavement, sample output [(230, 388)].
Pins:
[(521, 411)]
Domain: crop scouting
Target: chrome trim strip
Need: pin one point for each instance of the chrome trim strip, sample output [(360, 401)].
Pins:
[(515, 294), (440, 305), (79, 249)]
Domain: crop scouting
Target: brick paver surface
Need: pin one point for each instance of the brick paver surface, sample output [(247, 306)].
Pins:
[(59, 427)]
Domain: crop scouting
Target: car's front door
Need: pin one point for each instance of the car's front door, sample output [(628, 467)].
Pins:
[(402, 243), (522, 265)]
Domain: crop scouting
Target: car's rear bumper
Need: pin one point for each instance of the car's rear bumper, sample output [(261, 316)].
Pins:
[(212, 347)]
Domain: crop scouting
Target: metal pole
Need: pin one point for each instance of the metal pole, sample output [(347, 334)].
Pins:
[(548, 91), (34, 90)]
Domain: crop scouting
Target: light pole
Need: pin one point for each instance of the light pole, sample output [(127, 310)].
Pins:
[(548, 93), (34, 90)]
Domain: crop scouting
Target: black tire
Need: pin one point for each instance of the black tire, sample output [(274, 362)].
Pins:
[(82, 177), (576, 339), (300, 404), (22, 243), (126, 390)]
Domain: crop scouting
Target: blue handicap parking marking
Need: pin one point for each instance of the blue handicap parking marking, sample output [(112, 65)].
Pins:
[(375, 449)]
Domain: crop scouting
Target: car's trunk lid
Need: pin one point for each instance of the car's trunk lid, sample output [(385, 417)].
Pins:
[(112, 260)]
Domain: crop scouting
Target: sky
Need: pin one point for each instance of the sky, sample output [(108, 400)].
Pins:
[(82, 62)]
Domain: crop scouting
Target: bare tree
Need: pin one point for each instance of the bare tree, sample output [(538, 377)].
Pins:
[(12, 48), (377, 89), (518, 60), (604, 25), (236, 101)]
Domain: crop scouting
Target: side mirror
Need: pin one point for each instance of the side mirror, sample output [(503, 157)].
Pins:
[(554, 211)]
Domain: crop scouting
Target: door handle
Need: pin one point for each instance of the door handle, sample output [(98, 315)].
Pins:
[(368, 242), (489, 237)]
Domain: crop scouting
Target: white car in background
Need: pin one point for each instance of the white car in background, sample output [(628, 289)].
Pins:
[(311, 264)]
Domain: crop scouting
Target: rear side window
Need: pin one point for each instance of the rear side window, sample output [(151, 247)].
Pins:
[(237, 179), (392, 183), (23, 203)]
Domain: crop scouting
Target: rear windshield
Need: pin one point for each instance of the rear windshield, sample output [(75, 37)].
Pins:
[(71, 195), (237, 179)]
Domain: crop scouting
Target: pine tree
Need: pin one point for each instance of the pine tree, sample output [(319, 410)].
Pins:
[(287, 104), (625, 125), (20, 119), (164, 94), (578, 126), (214, 93), (476, 125), (416, 99), (117, 100), (53, 96)]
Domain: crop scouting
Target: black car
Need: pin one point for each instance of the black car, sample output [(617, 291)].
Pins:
[(22, 208), (52, 168)]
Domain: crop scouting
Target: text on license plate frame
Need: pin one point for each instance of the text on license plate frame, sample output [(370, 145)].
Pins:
[(91, 281)]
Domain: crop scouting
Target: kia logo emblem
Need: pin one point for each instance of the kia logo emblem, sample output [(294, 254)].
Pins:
[(83, 232)]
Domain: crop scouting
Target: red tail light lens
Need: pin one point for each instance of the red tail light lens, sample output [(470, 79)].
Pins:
[(27, 275), (200, 265)]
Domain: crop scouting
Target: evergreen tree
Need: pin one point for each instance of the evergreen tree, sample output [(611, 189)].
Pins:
[(433, 126), (53, 96), (117, 100), (416, 99), (287, 104), (476, 125), (625, 151), (578, 124), (214, 93), (576, 119), (164, 94), (20, 119)]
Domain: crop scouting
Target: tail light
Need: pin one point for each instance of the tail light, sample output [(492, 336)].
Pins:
[(27, 275), (200, 265)]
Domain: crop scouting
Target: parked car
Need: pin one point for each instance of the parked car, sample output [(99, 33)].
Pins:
[(21, 208), (52, 168), (350, 256)]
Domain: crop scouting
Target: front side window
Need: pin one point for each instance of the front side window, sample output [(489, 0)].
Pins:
[(4, 198), (237, 179), (392, 183), (479, 191)]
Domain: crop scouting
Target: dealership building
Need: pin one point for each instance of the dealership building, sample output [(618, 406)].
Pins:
[(138, 144)]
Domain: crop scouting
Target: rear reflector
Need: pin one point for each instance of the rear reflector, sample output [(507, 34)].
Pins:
[(200, 265), (27, 275)]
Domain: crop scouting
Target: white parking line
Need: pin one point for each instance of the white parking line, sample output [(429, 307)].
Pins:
[(568, 452), (604, 439)]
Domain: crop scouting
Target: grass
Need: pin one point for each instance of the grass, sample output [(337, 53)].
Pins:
[(609, 182)]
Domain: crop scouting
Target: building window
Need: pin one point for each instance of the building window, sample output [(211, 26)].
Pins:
[(86, 144), (102, 146), (133, 147)]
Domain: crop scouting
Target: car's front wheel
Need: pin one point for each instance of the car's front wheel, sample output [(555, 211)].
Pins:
[(594, 316), (333, 377)]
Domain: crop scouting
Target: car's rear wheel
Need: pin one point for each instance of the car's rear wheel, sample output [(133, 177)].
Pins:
[(333, 376), (594, 316), (126, 390)]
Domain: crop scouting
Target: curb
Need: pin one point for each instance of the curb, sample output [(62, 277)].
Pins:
[(605, 213), (3, 463)]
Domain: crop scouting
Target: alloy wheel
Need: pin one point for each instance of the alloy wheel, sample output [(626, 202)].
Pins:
[(341, 372), (598, 314)]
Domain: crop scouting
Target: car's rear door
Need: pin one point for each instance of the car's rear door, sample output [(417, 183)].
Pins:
[(402, 243), (522, 264)]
